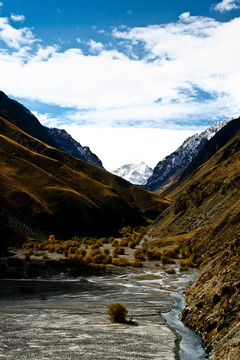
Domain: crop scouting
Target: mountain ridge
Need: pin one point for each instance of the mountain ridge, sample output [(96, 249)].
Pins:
[(205, 216), (170, 169), (45, 190), (20, 116)]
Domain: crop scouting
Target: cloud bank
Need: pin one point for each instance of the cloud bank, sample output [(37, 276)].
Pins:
[(161, 76)]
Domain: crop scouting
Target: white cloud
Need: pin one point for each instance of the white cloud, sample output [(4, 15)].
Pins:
[(186, 70), (227, 5), (16, 18), (95, 47), (15, 38), (1, 4), (46, 119)]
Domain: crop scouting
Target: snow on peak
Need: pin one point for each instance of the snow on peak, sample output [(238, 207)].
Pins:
[(137, 173), (175, 163)]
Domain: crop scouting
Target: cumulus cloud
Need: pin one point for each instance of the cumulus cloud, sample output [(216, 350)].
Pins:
[(183, 71), (15, 38), (227, 5), (17, 18), (95, 47)]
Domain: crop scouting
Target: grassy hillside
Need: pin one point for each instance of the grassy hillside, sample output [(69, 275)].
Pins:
[(206, 215), (48, 191)]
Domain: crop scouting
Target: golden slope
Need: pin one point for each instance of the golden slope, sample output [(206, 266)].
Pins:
[(206, 212), (57, 193)]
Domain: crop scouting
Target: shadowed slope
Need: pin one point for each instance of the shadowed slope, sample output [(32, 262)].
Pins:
[(206, 213), (52, 192)]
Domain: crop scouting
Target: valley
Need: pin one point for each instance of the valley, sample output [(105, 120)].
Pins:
[(75, 236)]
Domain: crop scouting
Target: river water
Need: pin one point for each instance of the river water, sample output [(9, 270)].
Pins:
[(66, 319)]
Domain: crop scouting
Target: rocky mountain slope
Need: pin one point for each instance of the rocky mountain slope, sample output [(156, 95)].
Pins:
[(205, 215), (66, 143), (137, 173), (170, 169), (21, 117), (45, 190)]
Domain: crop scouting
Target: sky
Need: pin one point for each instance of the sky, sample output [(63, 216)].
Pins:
[(131, 79)]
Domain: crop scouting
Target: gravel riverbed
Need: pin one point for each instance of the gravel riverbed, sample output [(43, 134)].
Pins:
[(66, 319)]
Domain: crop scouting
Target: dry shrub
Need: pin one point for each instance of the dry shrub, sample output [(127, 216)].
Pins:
[(115, 243), (132, 244), (154, 254), (107, 260), (117, 312), (122, 261), (123, 242), (183, 268), (137, 263), (170, 271), (88, 258), (167, 260), (94, 246), (106, 251), (172, 253), (98, 258), (81, 251), (139, 255)]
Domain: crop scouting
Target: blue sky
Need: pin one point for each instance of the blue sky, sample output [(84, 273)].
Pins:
[(133, 76)]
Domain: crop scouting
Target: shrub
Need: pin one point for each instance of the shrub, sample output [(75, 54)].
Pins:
[(122, 261), (139, 255), (172, 253), (51, 238), (154, 255), (115, 243), (117, 312), (137, 263), (123, 242), (170, 271), (107, 260), (183, 268), (106, 251), (131, 244), (120, 250), (81, 251), (167, 260), (94, 246), (98, 258)]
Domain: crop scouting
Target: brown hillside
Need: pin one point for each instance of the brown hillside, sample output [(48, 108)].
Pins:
[(206, 212), (49, 191)]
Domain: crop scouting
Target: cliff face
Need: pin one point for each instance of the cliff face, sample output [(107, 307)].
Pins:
[(206, 214)]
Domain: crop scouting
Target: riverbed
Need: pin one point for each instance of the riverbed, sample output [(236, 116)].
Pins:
[(66, 319)]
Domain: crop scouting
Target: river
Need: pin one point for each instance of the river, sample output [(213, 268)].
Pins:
[(66, 319)]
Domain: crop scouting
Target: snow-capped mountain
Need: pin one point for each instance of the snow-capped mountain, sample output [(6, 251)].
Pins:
[(135, 173), (65, 142), (171, 167)]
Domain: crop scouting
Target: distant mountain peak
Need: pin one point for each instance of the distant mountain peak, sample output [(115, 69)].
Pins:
[(136, 173)]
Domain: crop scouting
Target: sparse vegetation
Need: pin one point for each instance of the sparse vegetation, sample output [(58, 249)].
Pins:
[(117, 312)]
